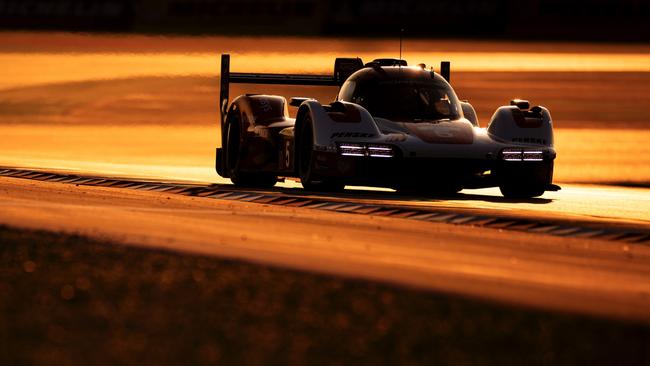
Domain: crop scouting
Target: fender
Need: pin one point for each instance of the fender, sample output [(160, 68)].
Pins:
[(337, 121), (511, 124), (259, 119), (260, 110)]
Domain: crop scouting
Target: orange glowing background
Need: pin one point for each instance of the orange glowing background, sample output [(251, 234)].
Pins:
[(146, 106)]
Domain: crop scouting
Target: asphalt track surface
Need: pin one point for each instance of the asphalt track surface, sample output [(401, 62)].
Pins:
[(484, 207), (591, 274)]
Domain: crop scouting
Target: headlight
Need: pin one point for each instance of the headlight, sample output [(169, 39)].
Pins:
[(380, 151), (352, 149), (371, 150), (522, 155), (512, 155), (533, 155)]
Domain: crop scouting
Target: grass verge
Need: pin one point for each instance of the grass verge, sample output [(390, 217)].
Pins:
[(68, 300)]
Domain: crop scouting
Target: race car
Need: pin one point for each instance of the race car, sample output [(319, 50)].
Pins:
[(391, 125)]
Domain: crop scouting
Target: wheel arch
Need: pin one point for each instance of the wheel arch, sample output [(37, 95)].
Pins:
[(511, 124), (303, 111), (234, 112)]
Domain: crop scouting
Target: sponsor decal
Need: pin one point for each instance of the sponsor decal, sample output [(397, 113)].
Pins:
[(351, 134), (529, 140), (266, 109), (265, 106)]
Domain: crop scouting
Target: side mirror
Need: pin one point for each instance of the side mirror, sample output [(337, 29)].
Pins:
[(469, 113), (297, 101), (344, 67), (521, 104)]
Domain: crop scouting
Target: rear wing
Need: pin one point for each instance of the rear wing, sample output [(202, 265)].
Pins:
[(343, 68)]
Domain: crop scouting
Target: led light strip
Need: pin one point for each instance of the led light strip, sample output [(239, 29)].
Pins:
[(533, 156), (375, 151), (522, 155)]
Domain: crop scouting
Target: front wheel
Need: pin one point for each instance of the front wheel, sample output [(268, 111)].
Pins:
[(449, 189), (511, 191), (309, 178), (233, 163), (525, 180)]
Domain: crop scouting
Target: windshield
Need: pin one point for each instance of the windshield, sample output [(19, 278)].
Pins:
[(407, 100)]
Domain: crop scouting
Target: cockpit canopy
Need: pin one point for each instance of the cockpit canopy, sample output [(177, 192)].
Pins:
[(404, 94)]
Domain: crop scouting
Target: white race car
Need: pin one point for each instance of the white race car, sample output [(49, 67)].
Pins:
[(391, 126)]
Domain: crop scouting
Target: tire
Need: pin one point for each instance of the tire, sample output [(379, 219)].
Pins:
[(528, 182), (306, 161), (439, 191), (233, 159), (509, 191)]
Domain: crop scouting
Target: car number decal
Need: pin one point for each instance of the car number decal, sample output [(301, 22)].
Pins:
[(287, 154)]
